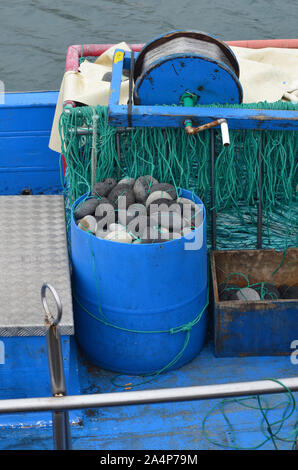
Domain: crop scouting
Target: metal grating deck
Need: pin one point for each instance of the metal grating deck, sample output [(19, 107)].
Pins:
[(33, 250)]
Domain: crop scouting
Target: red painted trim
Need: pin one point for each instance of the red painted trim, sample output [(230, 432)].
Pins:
[(262, 43), (64, 165), (75, 52), (95, 50)]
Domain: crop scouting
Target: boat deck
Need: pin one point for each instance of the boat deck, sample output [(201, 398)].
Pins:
[(26, 123), (175, 426)]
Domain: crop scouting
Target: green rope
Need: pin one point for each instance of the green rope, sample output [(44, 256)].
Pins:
[(187, 327), (81, 58), (289, 407), (258, 286), (172, 156)]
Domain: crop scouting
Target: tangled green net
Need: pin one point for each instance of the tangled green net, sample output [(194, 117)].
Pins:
[(172, 156)]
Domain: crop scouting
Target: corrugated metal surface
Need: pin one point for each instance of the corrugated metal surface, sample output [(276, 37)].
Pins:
[(33, 250)]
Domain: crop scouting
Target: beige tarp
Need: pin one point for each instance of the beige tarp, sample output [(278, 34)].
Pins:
[(267, 74), (87, 86)]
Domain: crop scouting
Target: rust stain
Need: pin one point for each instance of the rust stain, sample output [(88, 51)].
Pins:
[(234, 306), (91, 412), (258, 265), (263, 117), (244, 354), (151, 80)]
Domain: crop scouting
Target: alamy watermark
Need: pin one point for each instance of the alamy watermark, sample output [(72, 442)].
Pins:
[(2, 92), (157, 222), (294, 354), (2, 353)]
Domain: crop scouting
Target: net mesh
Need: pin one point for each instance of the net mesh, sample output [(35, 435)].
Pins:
[(170, 155)]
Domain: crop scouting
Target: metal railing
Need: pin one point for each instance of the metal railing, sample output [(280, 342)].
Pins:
[(60, 403)]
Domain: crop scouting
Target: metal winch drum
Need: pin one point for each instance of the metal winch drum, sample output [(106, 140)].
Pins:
[(186, 61)]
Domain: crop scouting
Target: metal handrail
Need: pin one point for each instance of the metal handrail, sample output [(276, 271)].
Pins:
[(60, 403), (201, 392), (61, 427)]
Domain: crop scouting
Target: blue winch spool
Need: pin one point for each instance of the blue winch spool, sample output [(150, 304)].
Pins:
[(191, 61)]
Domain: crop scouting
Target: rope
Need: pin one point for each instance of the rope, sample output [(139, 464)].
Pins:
[(187, 327), (171, 156), (288, 406), (258, 286), (186, 46)]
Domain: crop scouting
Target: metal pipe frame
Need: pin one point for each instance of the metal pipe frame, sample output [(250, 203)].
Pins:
[(61, 427), (260, 202), (202, 392), (212, 181)]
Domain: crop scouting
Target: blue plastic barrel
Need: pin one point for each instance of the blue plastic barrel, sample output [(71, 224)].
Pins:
[(144, 291)]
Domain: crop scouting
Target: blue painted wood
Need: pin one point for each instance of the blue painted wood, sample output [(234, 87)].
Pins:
[(165, 426), (118, 65), (175, 116), (169, 116), (255, 331), (260, 328), (25, 159), (24, 373), (30, 98)]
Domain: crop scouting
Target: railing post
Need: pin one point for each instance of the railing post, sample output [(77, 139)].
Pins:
[(61, 428)]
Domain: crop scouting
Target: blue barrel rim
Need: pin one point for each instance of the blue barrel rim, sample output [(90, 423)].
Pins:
[(177, 240)]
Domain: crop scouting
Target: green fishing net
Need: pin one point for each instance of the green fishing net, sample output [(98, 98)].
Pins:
[(170, 155)]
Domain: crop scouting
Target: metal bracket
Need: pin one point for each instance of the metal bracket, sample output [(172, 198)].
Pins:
[(61, 428)]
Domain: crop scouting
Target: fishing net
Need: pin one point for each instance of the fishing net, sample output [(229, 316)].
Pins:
[(170, 155)]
